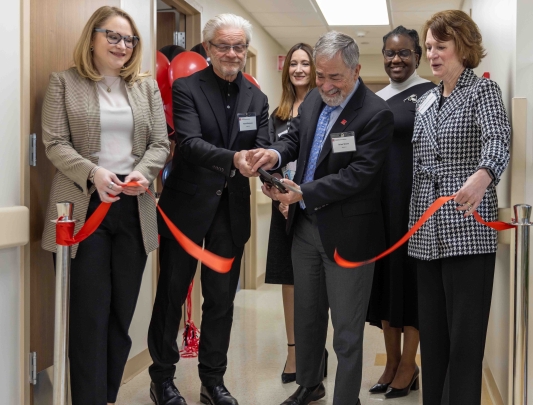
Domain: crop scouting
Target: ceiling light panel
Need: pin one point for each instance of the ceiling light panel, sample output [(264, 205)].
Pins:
[(354, 12)]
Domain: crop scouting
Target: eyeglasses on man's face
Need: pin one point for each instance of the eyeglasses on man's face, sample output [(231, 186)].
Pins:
[(240, 48), (404, 54), (130, 41)]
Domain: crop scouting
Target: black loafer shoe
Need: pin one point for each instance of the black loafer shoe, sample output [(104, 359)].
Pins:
[(304, 396), (217, 395), (166, 393)]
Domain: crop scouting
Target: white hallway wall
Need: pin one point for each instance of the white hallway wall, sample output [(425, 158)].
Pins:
[(506, 30), (10, 196), (524, 88)]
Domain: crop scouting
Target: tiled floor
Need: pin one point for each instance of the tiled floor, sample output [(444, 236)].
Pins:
[(256, 357)]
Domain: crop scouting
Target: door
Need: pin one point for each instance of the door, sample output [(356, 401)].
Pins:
[(55, 28)]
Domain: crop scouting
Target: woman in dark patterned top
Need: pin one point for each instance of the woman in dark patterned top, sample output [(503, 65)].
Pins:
[(394, 303), (461, 148), (298, 77)]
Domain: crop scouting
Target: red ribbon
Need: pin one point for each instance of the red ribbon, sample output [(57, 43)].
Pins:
[(65, 235), (439, 202), (191, 334)]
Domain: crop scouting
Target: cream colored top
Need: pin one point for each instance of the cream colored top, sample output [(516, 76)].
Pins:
[(116, 121)]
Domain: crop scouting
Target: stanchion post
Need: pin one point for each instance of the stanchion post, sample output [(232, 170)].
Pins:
[(521, 302), (60, 393)]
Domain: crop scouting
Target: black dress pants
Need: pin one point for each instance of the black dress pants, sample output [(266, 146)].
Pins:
[(105, 281), (177, 270), (454, 296)]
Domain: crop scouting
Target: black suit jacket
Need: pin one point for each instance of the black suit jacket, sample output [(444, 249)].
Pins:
[(345, 195), (203, 159)]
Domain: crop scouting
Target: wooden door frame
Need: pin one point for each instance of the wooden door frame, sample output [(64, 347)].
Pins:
[(24, 293)]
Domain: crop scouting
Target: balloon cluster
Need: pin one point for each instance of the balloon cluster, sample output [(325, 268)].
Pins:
[(183, 65)]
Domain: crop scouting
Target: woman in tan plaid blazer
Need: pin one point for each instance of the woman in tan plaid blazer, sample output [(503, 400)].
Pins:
[(103, 126)]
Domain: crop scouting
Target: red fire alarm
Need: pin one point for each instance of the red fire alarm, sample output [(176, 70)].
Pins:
[(486, 75)]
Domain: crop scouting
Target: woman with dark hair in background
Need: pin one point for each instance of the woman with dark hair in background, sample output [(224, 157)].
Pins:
[(393, 302), (104, 126), (461, 148), (297, 79)]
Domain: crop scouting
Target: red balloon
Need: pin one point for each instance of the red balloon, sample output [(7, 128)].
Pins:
[(162, 65), (185, 64), (252, 80)]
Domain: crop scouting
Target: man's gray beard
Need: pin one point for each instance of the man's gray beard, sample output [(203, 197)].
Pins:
[(334, 101)]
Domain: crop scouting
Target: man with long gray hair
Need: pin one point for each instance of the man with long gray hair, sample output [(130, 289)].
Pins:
[(340, 139), (217, 113)]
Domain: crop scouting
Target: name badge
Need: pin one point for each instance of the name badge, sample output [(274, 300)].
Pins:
[(247, 122), (343, 142), (283, 133), (427, 103)]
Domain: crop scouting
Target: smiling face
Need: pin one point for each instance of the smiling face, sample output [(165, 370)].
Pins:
[(335, 80), (443, 58), (400, 69), (300, 69), (109, 58), (227, 64)]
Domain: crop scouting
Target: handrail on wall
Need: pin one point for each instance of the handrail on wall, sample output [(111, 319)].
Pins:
[(14, 226)]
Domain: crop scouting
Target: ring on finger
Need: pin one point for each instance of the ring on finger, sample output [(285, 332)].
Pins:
[(469, 204), (110, 185)]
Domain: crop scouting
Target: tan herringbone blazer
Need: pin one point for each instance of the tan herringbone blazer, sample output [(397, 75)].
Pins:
[(71, 136)]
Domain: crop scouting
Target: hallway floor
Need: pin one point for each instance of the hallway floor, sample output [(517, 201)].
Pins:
[(257, 355)]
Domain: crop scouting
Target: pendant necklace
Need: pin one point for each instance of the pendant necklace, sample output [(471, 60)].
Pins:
[(111, 85)]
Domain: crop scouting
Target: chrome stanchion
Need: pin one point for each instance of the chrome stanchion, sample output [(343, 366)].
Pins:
[(521, 302), (60, 394)]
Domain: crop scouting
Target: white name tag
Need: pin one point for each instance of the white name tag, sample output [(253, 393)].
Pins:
[(343, 142), (247, 122), (427, 103)]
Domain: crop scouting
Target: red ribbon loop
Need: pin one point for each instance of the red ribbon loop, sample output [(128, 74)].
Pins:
[(439, 202), (65, 235)]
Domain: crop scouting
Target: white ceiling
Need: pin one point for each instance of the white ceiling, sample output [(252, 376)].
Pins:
[(293, 21)]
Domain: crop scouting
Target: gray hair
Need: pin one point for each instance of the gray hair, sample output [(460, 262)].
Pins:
[(333, 42), (226, 21)]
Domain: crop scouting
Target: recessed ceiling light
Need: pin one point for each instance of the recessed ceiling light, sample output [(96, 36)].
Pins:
[(354, 12)]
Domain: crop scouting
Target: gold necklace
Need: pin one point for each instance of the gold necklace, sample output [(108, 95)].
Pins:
[(109, 87)]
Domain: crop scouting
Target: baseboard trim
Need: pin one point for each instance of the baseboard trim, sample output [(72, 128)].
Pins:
[(491, 386), (260, 280), (136, 365)]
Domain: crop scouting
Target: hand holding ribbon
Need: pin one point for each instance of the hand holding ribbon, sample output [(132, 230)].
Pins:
[(65, 234), (439, 202)]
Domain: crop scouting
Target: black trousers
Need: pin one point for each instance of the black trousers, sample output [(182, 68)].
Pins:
[(105, 281), (454, 296), (177, 271)]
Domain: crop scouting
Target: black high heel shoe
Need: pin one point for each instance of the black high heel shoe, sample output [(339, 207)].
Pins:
[(379, 388), (414, 385), (291, 377), (288, 377)]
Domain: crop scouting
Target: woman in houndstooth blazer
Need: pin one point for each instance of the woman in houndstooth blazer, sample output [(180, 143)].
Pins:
[(103, 126), (461, 147)]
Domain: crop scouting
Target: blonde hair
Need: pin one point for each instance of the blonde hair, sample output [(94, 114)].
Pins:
[(288, 94), (83, 58)]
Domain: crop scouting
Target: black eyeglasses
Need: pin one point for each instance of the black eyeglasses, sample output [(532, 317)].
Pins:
[(404, 54), (130, 41), (241, 48)]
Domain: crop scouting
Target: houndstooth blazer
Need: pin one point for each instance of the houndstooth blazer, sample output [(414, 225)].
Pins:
[(470, 131), (71, 136)]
